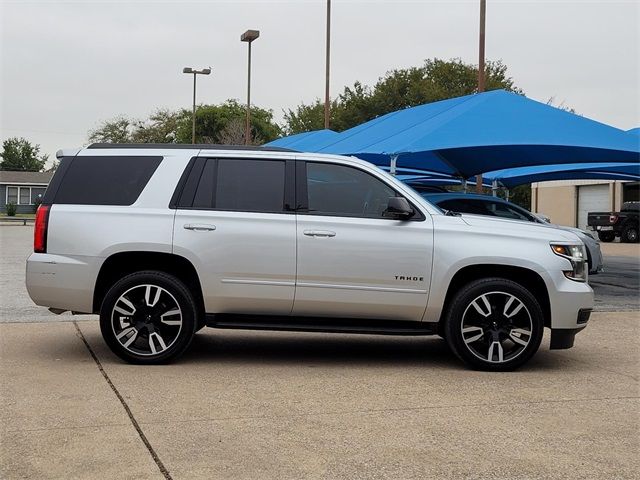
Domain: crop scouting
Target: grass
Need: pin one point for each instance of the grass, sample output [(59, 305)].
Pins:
[(19, 215)]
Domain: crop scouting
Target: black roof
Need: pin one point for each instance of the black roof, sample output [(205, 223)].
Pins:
[(189, 146)]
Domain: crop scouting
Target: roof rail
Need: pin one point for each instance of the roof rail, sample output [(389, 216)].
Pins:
[(189, 146)]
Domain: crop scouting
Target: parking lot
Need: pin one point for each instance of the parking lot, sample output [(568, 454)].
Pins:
[(261, 405)]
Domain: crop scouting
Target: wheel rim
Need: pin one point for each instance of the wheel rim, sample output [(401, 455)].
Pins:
[(496, 327), (632, 235), (146, 320)]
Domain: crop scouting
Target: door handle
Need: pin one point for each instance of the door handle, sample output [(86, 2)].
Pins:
[(319, 233), (199, 227)]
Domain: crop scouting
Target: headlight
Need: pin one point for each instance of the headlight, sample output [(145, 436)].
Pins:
[(577, 255)]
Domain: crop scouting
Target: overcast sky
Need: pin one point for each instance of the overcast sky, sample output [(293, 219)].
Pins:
[(68, 65)]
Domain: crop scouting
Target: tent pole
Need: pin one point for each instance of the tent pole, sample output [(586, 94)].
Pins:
[(506, 192), (394, 161), (494, 188), (464, 184)]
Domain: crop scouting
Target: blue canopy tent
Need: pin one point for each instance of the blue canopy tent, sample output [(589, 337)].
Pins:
[(477, 133), (513, 177), (634, 131), (306, 141)]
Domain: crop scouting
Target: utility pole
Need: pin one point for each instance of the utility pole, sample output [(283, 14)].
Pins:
[(481, 79), (327, 65)]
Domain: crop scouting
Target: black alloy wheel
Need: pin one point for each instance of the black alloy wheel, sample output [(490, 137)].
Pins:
[(148, 317), (494, 324)]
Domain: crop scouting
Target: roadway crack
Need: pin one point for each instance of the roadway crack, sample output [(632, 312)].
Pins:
[(123, 402)]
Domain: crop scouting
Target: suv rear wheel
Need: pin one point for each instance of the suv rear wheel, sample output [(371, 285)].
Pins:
[(630, 233), (148, 317), (494, 324)]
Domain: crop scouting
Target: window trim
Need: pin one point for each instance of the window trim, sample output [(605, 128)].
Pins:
[(302, 197), (20, 188), (196, 168)]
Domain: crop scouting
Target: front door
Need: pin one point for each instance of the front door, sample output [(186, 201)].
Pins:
[(352, 261), (235, 224)]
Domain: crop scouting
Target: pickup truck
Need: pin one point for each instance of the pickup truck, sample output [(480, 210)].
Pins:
[(623, 224)]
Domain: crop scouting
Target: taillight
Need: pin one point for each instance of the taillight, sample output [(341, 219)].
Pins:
[(613, 218), (40, 230)]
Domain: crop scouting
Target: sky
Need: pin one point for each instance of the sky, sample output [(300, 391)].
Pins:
[(68, 65)]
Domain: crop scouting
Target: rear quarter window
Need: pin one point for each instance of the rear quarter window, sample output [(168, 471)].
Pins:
[(101, 180)]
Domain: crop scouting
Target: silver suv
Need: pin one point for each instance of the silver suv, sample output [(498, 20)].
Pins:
[(162, 240)]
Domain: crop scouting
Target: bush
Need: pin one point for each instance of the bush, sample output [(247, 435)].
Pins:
[(11, 209)]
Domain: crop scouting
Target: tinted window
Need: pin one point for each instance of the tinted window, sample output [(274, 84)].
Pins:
[(104, 180), (503, 210), (250, 185), (463, 206), (344, 191), (204, 192)]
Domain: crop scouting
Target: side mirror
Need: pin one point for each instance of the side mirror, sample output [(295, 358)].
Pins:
[(398, 207)]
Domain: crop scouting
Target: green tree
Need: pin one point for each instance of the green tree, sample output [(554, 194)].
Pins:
[(214, 124), (213, 120), (20, 154), (116, 130), (435, 80)]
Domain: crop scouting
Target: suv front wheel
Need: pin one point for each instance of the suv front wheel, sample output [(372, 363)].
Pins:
[(148, 317), (494, 324)]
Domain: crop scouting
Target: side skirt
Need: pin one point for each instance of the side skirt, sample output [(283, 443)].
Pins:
[(319, 324)]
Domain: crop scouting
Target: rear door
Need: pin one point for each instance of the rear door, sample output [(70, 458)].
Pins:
[(352, 261), (235, 223)]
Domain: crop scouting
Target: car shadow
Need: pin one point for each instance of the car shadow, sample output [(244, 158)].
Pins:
[(275, 348)]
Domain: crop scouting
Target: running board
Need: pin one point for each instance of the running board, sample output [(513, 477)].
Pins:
[(320, 324)]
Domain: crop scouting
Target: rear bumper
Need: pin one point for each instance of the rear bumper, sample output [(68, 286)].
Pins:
[(62, 282)]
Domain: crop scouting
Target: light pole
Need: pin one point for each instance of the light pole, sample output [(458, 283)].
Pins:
[(204, 71), (249, 36), (481, 79), (327, 67)]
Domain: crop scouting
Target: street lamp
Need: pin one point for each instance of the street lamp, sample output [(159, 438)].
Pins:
[(204, 71), (249, 36)]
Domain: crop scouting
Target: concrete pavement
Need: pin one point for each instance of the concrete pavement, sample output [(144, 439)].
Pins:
[(261, 405)]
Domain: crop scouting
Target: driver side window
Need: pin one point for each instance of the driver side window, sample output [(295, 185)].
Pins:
[(338, 190)]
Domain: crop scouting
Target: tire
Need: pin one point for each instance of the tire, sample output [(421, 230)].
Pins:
[(606, 236), (629, 234), (494, 324), (148, 317)]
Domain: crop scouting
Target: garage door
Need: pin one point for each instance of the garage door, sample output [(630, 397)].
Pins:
[(592, 198)]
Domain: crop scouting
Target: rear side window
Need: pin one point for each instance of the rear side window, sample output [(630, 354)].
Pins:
[(250, 185), (239, 185), (103, 180)]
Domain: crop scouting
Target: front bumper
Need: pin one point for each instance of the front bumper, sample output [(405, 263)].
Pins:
[(567, 298)]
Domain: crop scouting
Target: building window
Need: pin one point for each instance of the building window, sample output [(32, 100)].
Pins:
[(24, 195), (12, 195)]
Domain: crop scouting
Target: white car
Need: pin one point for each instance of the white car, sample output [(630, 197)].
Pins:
[(161, 240)]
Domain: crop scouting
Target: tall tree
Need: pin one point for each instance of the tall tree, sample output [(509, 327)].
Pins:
[(20, 154), (435, 80)]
